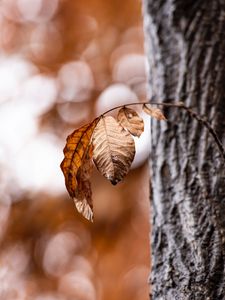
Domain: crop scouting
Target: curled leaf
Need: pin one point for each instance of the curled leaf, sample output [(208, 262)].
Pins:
[(77, 156), (114, 149), (130, 120), (153, 112)]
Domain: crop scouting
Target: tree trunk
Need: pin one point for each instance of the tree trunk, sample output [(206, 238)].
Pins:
[(185, 44)]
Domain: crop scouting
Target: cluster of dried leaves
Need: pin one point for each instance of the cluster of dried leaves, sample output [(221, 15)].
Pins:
[(109, 144)]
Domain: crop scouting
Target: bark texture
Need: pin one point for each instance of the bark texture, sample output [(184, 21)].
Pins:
[(185, 44)]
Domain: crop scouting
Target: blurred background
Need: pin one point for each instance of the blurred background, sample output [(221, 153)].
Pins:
[(62, 62)]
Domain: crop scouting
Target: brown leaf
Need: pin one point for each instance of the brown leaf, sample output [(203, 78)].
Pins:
[(77, 153), (83, 194), (153, 112), (130, 120), (114, 149)]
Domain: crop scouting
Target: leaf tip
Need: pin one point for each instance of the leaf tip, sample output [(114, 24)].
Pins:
[(84, 208), (114, 181)]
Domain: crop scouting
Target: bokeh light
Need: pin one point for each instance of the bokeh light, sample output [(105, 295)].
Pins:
[(115, 95), (76, 81), (37, 10)]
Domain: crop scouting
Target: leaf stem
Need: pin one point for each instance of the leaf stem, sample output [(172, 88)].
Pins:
[(193, 114)]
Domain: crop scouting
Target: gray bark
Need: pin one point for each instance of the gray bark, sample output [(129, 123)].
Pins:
[(185, 44)]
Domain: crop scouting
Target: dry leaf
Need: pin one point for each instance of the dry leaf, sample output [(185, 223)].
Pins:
[(130, 120), (153, 112), (77, 153), (83, 194), (114, 149)]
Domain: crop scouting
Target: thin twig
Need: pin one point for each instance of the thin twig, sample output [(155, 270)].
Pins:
[(120, 106), (209, 127), (193, 114)]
